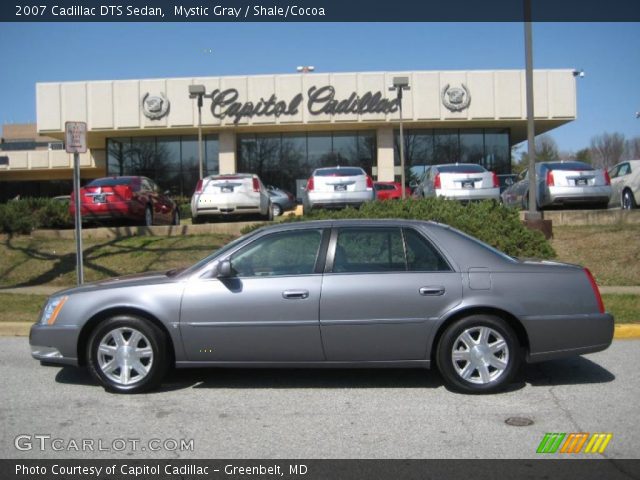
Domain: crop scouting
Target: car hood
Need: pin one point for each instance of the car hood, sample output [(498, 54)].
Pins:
[(135, 280)]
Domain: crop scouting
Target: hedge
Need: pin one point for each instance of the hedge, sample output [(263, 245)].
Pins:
[(24, 216), (488, 221)]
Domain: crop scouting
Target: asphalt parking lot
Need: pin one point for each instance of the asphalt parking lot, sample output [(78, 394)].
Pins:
[(240, 413)]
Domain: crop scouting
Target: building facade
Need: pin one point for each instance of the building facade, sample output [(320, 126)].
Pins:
[(283, 126)]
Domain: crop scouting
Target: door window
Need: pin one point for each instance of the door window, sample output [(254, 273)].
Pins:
[(375, 249), (286, 253)]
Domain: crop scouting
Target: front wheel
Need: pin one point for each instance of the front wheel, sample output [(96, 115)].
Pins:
[(127, 354), (276, 209), (176, 217), (478, 354), (148, 217)]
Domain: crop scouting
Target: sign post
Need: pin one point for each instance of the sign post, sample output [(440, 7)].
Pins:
[(76, 143)]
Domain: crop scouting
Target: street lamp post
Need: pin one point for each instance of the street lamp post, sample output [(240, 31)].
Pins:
[(400, 84), (305, 68), (199, 92)]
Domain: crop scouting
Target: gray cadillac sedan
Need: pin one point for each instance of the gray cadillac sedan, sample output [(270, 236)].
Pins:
[(354, 293)]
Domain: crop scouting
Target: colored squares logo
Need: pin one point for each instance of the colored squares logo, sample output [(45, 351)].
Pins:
[(574, 442)]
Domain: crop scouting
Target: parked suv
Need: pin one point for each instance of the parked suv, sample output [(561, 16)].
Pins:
[(338, 187), (219, 196)]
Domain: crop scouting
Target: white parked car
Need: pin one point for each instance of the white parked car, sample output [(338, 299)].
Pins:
[(218, 196), (458, 181), (625, 184), (338, 187)]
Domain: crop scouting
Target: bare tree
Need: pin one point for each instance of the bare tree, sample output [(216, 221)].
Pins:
[(607, 149), (546, 151), (632, 149)]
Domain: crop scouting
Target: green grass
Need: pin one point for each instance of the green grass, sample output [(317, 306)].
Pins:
[(611, 252), (26, 261), (625, 308), (16, 307)]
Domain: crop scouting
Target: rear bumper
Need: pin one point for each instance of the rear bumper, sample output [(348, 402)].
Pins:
[(54, 344), (559, 336), (470, 193), (126, 209), (339, 199), (577, 195)]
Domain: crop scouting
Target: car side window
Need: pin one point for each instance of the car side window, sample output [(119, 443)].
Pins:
[(369, 250), (624, 170), (422, 255), (286, 253), (144, 185)]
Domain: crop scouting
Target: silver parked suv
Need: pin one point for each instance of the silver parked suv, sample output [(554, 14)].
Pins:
[(338, 187)]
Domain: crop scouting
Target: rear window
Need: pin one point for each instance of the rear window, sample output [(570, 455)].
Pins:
[(111, 182), (338, 172), (568, 166), (462, 168)]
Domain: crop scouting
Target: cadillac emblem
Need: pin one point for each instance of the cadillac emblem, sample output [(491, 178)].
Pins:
[(154, 106), (456, 99)]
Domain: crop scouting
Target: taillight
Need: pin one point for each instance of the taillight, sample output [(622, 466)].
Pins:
[(256, 184), (310, 184), (369, 183), (550, 181), (596, 290), (496, 181), (436, 181), (607, 178), (199, 186)]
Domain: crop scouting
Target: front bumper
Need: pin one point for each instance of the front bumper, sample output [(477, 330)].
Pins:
[(54, 343)]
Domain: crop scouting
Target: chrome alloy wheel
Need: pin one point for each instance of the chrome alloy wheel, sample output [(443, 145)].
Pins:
[(480, 355), (125, 355)]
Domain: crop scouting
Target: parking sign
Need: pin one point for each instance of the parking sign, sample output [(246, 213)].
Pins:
[(75, 137)]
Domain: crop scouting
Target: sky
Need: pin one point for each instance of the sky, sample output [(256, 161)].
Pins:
[(609, 54)]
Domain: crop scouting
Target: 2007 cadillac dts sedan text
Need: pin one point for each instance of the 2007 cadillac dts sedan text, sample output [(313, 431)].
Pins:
[(352, 293)]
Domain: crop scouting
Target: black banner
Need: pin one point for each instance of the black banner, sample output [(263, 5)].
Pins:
[(593, 469), (318, 11)]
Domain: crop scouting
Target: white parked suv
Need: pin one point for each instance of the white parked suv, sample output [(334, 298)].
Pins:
[(218, 196), (338, 187)]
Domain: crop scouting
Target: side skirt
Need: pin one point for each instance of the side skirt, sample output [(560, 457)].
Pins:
[(323, 364)]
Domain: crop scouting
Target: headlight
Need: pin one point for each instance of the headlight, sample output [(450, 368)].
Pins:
[(52, 309)]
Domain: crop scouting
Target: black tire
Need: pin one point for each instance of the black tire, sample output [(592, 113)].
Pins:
[(148, 217), (277, 209), (197, 220), (628, 202), (495, 378), (269, 215), (151, 336), (176, 217)]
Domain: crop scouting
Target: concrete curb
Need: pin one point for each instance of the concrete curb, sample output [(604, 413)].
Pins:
[(21, 329)]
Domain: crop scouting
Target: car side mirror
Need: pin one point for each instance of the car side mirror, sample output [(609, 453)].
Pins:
[(224, 269)]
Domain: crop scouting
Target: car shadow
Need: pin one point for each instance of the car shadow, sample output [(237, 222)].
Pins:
[(572, 371)]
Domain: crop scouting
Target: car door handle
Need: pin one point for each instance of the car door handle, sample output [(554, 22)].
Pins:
[(295, 294), (432, 291)]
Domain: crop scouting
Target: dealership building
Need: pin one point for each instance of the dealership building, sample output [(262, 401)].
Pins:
[(283, 126)]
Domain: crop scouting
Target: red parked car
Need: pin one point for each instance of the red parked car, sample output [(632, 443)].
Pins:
[(128, 198), (390, 190)]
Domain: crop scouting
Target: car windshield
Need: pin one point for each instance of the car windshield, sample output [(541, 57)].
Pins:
[(568, 166), (462, 168), (110, 182), (338, 172)]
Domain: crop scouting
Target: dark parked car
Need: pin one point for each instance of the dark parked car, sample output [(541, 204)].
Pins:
[(129, 198), (281, 200), (352, 293)]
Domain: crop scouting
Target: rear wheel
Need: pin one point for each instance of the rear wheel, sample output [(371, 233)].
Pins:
[(127, 354), (269, 215), (148, 217), (628, 201), (478, 354)]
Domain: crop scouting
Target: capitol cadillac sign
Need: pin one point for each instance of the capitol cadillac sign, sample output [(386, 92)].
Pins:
[(319, 101)]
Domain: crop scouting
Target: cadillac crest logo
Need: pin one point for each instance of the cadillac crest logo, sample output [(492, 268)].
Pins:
[(456, 99), (154, 106)]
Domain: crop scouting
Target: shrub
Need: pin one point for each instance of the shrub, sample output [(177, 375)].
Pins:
[(488, 221), (24, 216)]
